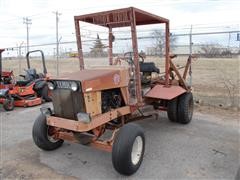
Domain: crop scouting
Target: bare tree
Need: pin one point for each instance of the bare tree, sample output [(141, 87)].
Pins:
[(159, 44), (214, 51)]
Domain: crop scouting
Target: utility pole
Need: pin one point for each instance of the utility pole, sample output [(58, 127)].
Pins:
[(28, 22), (190, 41), (229, 38), (20, 56), (57, 14)]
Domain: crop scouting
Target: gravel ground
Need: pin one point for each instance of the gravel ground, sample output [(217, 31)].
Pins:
[(208, 148)]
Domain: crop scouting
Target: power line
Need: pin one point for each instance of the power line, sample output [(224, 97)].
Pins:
[(128, 38)]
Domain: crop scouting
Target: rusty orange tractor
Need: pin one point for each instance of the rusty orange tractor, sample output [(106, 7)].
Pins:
[(90, 102)]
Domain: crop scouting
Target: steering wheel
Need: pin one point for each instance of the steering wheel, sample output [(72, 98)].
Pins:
[(128, 57)]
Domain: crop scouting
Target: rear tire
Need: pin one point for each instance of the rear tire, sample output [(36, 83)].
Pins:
[(185, 108), (172, 108), (128, 149), (8, 104), (41, 137)]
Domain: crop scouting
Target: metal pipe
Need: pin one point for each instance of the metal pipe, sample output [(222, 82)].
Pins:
[(136, 60), (167, 57), (79, 44), (110, 52), (43, 60)]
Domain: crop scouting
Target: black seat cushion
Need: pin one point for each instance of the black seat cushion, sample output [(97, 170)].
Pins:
[(23, 82), (148, 67), (31, 74)]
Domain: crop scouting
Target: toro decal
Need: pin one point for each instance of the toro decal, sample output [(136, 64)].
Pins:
[(116, 79)]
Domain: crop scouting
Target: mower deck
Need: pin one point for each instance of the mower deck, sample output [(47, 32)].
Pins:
[(25, 102)]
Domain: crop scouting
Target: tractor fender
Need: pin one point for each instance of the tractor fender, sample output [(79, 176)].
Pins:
[(39, 84)]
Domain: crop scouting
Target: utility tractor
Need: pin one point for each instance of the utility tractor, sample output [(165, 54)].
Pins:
[(90, 102), (26, 92)]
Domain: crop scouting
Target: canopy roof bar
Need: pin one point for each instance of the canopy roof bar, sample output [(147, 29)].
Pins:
[(121, 18)]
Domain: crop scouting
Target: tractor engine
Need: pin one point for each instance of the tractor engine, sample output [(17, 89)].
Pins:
[(111, 99), (88, 93)]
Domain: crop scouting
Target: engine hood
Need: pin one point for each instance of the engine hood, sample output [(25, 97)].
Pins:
[(98, 79)]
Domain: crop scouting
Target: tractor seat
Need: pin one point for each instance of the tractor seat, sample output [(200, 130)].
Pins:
[(148, 67), (31, 74)]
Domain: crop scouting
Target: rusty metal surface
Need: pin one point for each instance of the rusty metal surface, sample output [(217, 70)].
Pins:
[(79, 44), (186, 70), (101, 145), (163, 92), (98, 79), (66, 136), (88, 74), (167, 56), (113, 79), (110, 42), (136, 57), (121, 17), (181, 80), (84, 127)]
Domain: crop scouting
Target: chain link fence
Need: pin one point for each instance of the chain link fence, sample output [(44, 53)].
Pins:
[(215, 72)]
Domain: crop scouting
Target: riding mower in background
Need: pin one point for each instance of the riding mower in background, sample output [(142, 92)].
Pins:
[(27, 92)]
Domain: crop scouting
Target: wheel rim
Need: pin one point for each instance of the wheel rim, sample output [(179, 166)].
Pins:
[(137, 149), (50, 133), (9, 104)]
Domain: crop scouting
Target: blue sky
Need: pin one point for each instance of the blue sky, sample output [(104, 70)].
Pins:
[(201, 13)]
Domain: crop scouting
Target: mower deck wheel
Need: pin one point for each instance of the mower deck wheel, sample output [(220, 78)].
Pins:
[(8, 104)]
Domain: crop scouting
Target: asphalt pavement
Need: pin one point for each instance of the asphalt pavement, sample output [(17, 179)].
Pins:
[(207, 148)]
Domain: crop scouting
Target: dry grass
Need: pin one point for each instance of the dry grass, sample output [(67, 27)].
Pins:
[(209, 75)]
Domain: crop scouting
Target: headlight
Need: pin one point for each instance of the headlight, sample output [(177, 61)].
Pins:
[(74, 86), (84, 117), (51, 86)]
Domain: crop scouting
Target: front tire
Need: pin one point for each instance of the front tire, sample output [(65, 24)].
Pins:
[(42, 137), (128, 149)]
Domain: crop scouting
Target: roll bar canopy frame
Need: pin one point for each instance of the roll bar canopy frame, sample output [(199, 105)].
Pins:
[(132, 17), (42, 58)]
